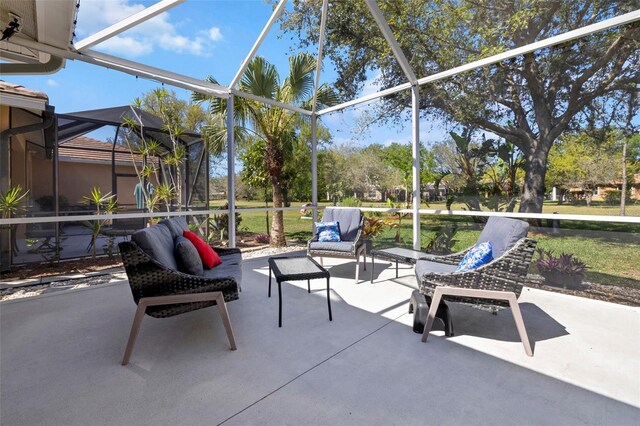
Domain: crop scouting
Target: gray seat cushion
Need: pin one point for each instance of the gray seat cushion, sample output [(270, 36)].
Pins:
[(427, 266), (349, 221), (230, 267), (187, 257), (157, 242), (342, 246), (503, 233)]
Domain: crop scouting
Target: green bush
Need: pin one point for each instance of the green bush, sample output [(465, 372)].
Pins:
[(612, 197), (350, 202)]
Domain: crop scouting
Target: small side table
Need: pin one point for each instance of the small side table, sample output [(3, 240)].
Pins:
[(397, 254), (296, 268)]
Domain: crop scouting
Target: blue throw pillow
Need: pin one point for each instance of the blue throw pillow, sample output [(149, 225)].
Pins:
[(478, 255), (328, 232)]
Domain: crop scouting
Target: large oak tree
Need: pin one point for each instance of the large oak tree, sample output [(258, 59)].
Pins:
[(529, 100)]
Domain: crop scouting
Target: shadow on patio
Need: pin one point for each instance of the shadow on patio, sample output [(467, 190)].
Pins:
[(60, 359)]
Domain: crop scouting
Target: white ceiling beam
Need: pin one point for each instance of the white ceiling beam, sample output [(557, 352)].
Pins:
[(270, 102), (367, 98), (391, 40), (551, 41), (274, 16), (627, 18), (323, 24), (126, 23)]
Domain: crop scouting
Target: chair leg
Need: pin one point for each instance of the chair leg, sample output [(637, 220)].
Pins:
[(357, 268), (364, 257), (522, 331), (222, 308), (433, 309), (483, 294), (170, 300), (135, 328)]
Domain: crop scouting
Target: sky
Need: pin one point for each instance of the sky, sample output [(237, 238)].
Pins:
[(197, 38)]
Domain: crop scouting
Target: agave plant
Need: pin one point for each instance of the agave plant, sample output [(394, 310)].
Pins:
[(11, 202), (564, 263)]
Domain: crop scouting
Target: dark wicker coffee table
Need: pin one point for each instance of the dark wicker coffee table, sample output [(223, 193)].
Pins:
[(397, 254), (295, 268)]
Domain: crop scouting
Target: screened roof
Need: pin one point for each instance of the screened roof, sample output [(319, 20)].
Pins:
[(79, 123)]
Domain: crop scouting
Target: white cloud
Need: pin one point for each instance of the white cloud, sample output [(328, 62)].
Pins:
[(215, 34), (127, 46), (52, 83), (158, 32)]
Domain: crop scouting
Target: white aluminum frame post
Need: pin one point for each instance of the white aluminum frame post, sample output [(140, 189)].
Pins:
[(231, 173)]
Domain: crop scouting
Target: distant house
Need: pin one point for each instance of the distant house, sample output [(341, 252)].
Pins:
[(601, 190), (599, 193), (430, 193)]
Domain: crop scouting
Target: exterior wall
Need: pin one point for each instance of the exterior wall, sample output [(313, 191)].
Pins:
[(77, 179)]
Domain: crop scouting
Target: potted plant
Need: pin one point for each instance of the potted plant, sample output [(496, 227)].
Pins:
[(564, 270)]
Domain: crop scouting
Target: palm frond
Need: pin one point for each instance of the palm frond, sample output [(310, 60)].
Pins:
[(260, 78), (300, 79)]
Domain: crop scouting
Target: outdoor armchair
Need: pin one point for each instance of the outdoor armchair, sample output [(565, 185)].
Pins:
[(492, 286), (352, 243)]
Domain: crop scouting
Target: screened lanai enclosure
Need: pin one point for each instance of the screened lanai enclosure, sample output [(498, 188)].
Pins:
[(47, 41), (114, 160)]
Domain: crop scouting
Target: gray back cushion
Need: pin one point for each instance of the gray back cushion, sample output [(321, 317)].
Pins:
[(176, 225), (349, 221), (503, 233), (187, 257), (157, 242)]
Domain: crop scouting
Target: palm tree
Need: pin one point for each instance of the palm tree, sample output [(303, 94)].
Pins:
[(274, 125)]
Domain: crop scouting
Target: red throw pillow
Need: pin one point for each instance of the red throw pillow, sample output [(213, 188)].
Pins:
[(209, 257)]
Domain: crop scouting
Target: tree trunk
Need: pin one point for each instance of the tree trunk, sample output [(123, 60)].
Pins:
[(266, 203), (623, 195), (277, 224), (535, 169)]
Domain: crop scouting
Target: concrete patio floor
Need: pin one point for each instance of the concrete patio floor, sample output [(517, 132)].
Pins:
[(60, 359)]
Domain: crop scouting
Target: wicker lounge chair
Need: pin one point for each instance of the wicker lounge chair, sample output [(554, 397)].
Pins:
[(161, 291), (492, 286), (352, 244)]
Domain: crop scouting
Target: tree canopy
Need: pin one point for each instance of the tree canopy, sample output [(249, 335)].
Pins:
[(529, 100)]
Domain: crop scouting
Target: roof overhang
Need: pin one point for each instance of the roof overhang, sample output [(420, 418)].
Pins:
[(20, 97), (48, 22)]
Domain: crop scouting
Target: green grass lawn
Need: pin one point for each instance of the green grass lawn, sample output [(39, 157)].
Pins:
[(610, 250)]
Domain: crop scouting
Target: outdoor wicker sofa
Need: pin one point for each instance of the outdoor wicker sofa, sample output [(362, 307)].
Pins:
[(493, 286), (161, 291)]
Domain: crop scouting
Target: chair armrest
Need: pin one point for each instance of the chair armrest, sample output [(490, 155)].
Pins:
[(450, 259), (224, 251)]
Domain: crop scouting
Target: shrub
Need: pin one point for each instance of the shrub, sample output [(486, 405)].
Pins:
[(612, 197), (565, 263), (374, 225), (350, 202), (263, 238)]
